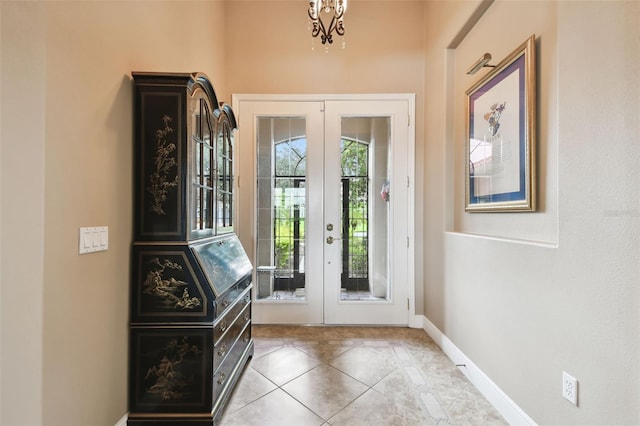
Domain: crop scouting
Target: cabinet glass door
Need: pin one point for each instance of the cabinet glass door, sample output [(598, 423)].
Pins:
[(201, 152), (224, 172), (211, 170)]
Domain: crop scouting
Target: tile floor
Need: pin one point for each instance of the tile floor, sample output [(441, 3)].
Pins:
[(353, 376)]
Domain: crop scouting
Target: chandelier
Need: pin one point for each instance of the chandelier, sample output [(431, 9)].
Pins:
[(325, 7)]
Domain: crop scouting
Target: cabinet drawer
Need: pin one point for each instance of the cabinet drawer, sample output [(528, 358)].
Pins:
[(225, 371), (225, 344), (222, 324), (225, 301)]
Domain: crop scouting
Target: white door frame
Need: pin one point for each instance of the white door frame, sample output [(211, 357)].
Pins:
[(245, 222)]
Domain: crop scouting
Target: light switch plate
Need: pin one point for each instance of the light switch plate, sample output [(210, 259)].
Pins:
[(92, 239)]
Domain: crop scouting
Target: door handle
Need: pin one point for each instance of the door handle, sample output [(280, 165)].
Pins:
[(330, 240)]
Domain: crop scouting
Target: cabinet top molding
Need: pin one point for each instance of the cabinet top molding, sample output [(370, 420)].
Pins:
[(190, 80)]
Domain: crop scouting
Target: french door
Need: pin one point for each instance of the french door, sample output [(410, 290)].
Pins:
[(325, 207)]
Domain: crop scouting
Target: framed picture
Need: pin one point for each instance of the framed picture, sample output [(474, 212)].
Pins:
[(501, 136)]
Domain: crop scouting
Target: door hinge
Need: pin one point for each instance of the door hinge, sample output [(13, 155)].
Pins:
[(408, 120), (408, 182), (407, 242), (408, 305)]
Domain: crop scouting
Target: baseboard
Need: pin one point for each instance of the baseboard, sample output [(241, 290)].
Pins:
[(416, 321), (122, 421), (513, 414)]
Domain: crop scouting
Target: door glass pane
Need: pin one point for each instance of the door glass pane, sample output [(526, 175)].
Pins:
[(364, 152), (281, 193)]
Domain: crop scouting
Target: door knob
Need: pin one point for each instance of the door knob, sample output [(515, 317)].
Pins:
[(330, 227), (330, 240)]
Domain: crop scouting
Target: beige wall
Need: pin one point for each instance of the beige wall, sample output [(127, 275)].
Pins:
[(527, 296), (443, 22), (270, 49), (500, 30), (66, 162), (22, 155)]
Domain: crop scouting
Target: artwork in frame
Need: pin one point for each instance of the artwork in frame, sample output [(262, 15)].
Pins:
[(501, 136)]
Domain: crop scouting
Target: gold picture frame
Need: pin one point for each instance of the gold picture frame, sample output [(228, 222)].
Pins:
[(500, 147)]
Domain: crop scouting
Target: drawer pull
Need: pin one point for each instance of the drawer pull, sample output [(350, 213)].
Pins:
[(246, 338), (221, 378), (225, 303), (222, 350), (223, 326), (247, 316)]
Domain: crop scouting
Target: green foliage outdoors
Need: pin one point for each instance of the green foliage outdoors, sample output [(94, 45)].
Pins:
[(290, 164)]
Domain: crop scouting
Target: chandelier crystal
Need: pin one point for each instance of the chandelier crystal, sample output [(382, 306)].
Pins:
[(333, 8)]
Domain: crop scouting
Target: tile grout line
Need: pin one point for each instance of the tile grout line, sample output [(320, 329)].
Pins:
[(402, 349)]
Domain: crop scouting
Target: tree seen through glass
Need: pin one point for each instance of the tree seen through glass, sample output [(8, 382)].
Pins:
[(289, 213)]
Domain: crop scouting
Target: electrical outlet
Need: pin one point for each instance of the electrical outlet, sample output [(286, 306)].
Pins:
[(570, 388)]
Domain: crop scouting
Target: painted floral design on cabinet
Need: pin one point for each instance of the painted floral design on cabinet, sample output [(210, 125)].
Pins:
[(174, 292), (161, 180), (176, 375)]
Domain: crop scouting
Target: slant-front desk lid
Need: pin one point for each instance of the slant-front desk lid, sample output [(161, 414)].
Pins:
[(223, 261)]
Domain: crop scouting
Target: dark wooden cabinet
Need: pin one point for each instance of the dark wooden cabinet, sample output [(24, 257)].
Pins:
[(191, 280)]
